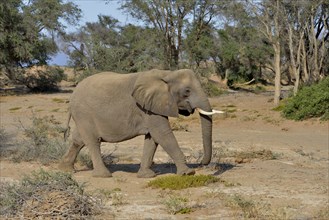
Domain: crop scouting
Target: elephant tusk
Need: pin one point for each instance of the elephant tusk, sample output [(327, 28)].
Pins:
[(209, 113)]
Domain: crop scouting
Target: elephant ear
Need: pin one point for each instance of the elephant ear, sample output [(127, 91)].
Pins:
[(152, 93)]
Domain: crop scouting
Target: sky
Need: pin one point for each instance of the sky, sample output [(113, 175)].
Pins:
[(90, 10)]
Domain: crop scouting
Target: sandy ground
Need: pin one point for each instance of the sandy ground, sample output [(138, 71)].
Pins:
[(293, 185)]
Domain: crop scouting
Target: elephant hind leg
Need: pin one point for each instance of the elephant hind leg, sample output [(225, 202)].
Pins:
[(94, 146), (67, 162), (100, 169)]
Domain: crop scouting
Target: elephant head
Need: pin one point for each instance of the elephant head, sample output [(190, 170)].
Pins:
[(172, 93)]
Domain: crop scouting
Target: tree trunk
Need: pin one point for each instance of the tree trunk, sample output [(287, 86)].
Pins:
[(306, 77), (277, 70)]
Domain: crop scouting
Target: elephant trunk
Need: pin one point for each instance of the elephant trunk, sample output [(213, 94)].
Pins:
[(206, 126)]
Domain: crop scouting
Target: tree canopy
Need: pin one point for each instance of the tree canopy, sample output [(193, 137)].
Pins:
[(268, 40), (28, 32)]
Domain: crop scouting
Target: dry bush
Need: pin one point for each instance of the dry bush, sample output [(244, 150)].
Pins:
[(43, 141), (47, 195)]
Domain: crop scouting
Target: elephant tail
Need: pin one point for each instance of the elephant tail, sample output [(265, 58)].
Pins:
[(67, 129)]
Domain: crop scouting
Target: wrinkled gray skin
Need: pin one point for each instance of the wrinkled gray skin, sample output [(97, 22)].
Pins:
[(110, 107)]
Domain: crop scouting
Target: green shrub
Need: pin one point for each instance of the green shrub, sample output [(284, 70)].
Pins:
[(46, 195), (44, 80), (310, 101), (44, 141), (176, 182), (211, 89)]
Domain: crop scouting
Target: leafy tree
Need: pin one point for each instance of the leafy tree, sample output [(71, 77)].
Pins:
[(28, 30), (199, 41), (168, 18), (105, 45)]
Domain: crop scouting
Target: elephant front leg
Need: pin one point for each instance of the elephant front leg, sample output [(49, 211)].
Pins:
[(162, 134), (147, 159)]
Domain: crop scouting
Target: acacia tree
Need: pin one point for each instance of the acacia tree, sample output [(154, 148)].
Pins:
[(28, 31), (199, 40), (168, 18), (106, 45)]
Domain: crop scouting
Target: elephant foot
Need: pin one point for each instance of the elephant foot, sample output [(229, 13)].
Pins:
[(145, 173), (186, 171), (102, 173), (66, 167)]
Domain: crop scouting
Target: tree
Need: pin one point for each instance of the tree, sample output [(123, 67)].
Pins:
[(28, 30), (268, 13), (106, 45), (199, 41), (168, 18)]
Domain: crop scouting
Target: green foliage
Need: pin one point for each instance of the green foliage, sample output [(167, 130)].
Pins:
[(44, 141), (27, 36), (211, 89), (176, 182), (107, 46), (310, 101), (199, 42), (49, 194)]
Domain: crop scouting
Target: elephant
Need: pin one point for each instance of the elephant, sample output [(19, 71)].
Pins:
[(112, 107)]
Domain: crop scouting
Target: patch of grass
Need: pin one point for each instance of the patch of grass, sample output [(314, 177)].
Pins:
[(177, 126), (3, 138), (43, 141), (177, 205), (322, 213), (59, 100), (55, 110), (258, 89), (15, 109), (85, 160), (115, 196), (249, 118), (47, 195), (176, 182), (259, 154), (248, 207), (244, 156), (310, 101), (271, 120)]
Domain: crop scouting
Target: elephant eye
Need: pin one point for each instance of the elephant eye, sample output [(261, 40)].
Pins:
[(187, 92)]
